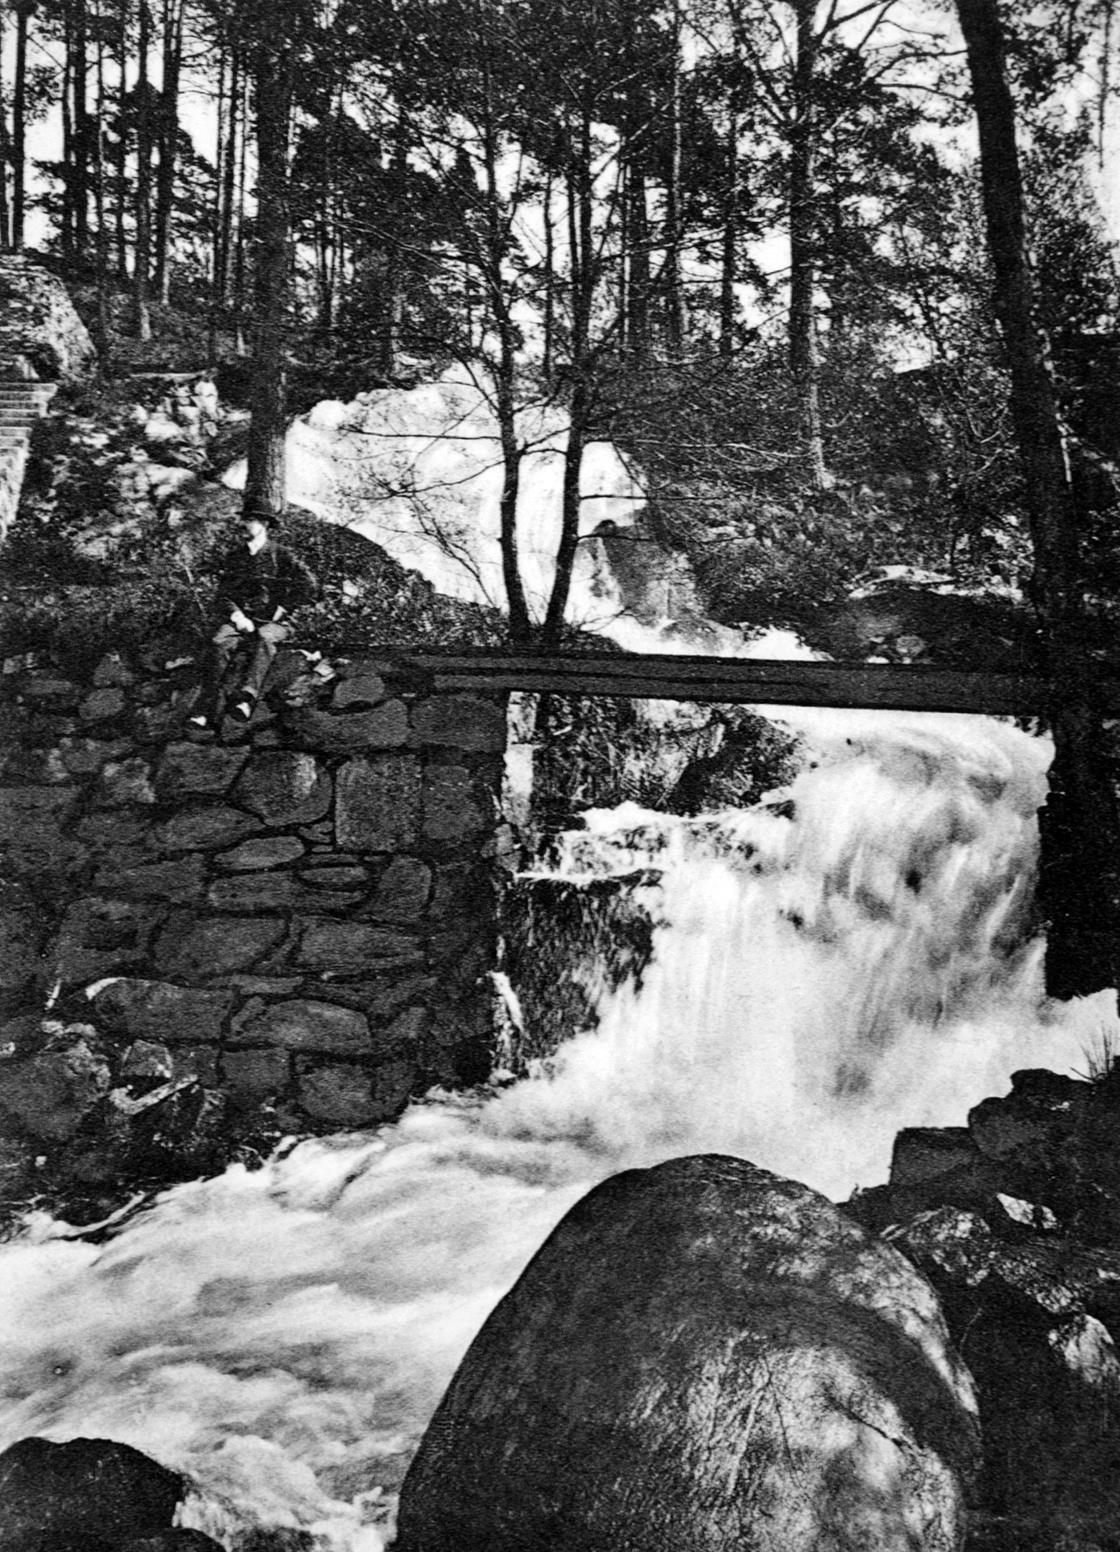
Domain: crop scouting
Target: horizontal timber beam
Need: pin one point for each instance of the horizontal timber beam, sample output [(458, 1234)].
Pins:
[(881, 686)]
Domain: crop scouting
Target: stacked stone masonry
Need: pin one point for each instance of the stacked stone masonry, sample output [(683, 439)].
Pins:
[(297, 917)]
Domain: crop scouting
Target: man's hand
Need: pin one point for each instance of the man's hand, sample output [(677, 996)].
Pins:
[(241, 622)]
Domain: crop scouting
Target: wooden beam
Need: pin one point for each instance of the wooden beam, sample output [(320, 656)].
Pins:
[(886, 686)]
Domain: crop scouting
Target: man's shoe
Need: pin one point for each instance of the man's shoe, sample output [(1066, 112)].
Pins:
[(199, 727), (242, 710)]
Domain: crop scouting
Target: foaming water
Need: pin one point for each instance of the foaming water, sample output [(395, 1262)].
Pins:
[(827, 969)]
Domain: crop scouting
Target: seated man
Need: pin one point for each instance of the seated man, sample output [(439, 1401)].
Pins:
[(261, 582)]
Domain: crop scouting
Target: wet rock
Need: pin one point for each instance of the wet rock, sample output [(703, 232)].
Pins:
[(284, 787), (461, 722), (1032, 1127), (304, 1024), (702, 1356), (921, 1152), (178, 1540), (53, 1494), (213, 946), (49, 1096), (378, 803), (158, 1011)]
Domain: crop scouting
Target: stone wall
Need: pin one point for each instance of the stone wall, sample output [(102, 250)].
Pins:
[(293, 923)]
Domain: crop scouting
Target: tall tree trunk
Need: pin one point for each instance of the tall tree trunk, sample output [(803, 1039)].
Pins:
[(19, 123), (5, 151), (674, 294), (121, 160), (274, 77), (728, 269), (80, 140), (239, 266), (803, 346), (142, 263), (66, 223), (168, 143), (1079, 882), (549, 278), (505, 376), (101, 327), (583, 276)]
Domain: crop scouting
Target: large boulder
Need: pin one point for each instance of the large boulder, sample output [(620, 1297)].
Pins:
[(89, 1491), (706, 1357)]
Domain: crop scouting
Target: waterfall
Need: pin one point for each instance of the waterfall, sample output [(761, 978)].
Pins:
[(851, 957)]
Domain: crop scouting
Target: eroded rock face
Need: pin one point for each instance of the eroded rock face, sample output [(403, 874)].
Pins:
[(702, 1357)]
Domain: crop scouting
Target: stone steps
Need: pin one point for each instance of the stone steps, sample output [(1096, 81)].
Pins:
[(23, 399)]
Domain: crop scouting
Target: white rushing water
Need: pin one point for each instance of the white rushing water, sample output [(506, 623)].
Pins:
[(825, 971)]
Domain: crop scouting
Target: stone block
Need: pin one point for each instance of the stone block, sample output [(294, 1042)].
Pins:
[(204, 829), (100, 936), (393, 1085), (354, 947), (378, 803), (453, 804), (461, 722), (284, 787), (39, 767), (270, 851), (112, 670), (403, 890), (255, 1075), (102, 705), (180, 881), (364, 687), (339, 1096), (278, 892), (146, 1010), (86, 756), (217, 945), (44, 688), (385, 727), (201, 768), (346, 876), (383, 997), (22, 935), (31, 817), (308, 1025), (125, 781)]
